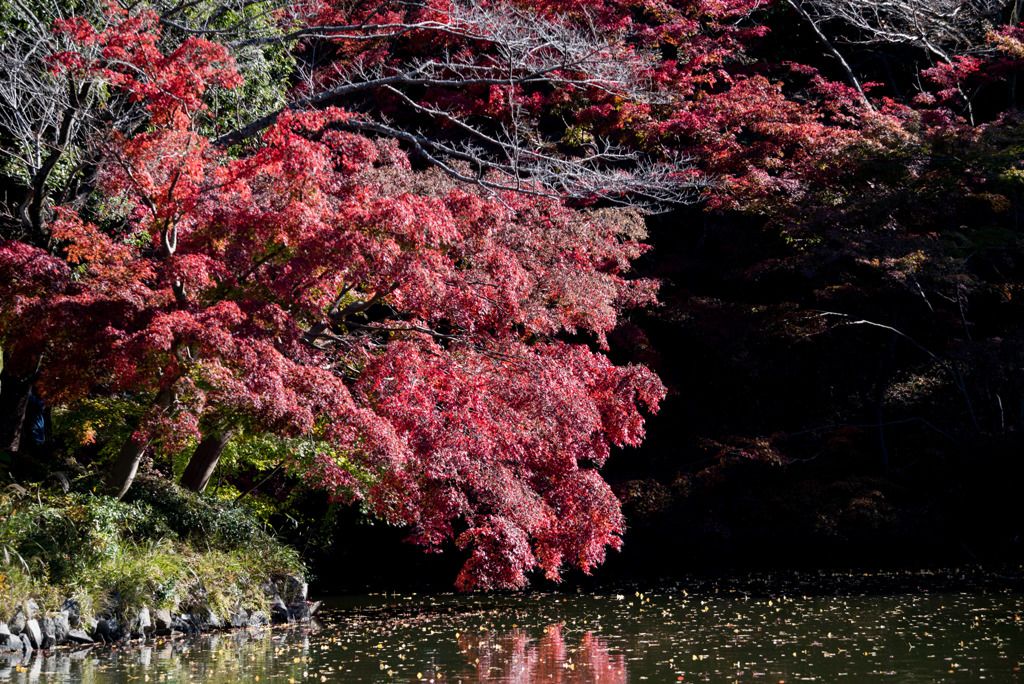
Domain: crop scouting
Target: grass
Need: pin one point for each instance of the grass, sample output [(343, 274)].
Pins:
[(162, 548)]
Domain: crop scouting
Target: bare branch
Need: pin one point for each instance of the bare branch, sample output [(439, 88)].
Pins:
[(516, 50), (798, 6), (47, 118), (939, 27)]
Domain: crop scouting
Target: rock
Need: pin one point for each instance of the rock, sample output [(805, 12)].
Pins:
[(185, 623), (163, 620), (31, 609), (18, 621), (205, 619), (26, 646), (73, 611), (296, 590), (239, 618), (211, 620), (278, 611), (141, 624), (49, 633), (10, 644), (108, 630), (194, 618), (34, 633), (258, 618), (4, 631), (61, 627), (77, 636), (303, 611)]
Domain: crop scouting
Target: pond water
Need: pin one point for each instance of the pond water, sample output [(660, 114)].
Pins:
[(691, 631)]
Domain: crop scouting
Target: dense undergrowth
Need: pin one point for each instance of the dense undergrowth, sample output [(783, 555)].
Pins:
[(163, 547)]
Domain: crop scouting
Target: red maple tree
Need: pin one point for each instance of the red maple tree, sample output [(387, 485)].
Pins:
[(412, 330)]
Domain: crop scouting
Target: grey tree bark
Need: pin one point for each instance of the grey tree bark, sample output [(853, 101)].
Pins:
[(127, 464), (204, 460)]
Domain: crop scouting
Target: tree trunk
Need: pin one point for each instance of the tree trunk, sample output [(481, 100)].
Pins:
[(127, 464), (204, 460)]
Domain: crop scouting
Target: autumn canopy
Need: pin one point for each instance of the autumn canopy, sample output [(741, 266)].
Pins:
[(395, 237)]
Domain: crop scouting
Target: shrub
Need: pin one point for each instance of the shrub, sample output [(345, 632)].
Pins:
[(165, 548), (195, 517)]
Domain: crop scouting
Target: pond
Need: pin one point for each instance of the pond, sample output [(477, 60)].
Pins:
[(690, 631)]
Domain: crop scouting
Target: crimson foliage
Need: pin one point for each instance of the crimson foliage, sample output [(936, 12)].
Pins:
[(411, 272), (319, 288)]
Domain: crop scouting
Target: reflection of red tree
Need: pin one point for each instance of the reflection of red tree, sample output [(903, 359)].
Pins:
[(516, 657)]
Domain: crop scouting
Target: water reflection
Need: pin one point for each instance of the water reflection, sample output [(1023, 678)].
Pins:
[(244, 655), (517, 657), (676, 634), (311, 653)]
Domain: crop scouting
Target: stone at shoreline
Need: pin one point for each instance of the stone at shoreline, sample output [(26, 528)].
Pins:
[(258, 618), (108, 630), (61, 627), (141, 624), (10, 643), (17, 625), (73, 610), (34, 633), (203, 619), (184, 623), (278, 611), (239, 618), (209, 620), (162, 619), (30, 629), (77, 636), (296, 590), (303, 611), (49, 633)]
